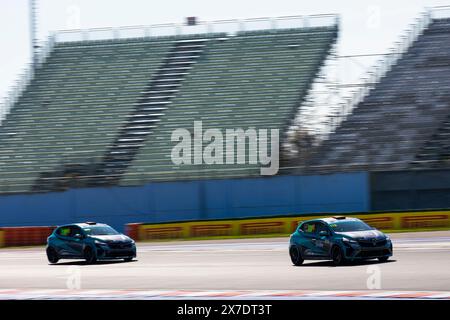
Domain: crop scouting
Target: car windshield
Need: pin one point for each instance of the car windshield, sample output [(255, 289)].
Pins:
[(100, 231), (348, 226)]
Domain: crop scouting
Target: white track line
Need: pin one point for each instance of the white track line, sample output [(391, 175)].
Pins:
[(217, 294)]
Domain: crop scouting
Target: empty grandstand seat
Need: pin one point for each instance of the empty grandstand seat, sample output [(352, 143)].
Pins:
[(401, 115), (255, 79), (82, 96)]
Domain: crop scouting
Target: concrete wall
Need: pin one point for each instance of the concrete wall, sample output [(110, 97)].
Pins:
[(410, 190), (191, 200)]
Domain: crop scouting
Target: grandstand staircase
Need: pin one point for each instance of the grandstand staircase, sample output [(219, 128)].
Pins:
[(153, 103)]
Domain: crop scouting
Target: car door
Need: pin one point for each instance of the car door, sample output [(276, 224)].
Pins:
[(307, 231), (74, 242), (62, 243), (322, 243)]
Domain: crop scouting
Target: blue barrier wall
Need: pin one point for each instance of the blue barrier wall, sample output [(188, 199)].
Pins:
[(191, 200)]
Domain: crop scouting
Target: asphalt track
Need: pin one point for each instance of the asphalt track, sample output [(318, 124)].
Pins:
[(421, 262)]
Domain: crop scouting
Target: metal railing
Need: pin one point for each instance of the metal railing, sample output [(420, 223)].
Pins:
[(177, 29), (25, 184)]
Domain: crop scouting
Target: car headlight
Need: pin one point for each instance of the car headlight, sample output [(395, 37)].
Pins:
[(100, 243), (349, 241)]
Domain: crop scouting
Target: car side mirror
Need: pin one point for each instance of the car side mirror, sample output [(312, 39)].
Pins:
[(78, 236), (323, 233)]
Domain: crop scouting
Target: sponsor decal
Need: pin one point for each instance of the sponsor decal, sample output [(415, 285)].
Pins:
[(25, 236), (211, 230), (380, 222), (424, 221), (262, 227), (158, 233), (286, 225), (132, 230), (2, 238)]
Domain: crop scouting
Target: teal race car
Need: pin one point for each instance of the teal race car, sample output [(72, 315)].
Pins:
[(89, 241), (339, 239)]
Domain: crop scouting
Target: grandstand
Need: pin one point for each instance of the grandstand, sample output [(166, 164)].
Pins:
[(404, 121), (97, 115), (101, 112)]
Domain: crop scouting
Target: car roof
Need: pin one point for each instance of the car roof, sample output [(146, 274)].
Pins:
[(84, 225), (332, 220)]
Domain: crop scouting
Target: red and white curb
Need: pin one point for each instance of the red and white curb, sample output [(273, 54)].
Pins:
[(53, 294)]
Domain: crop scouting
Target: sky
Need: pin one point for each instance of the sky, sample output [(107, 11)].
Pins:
[(367, 27)]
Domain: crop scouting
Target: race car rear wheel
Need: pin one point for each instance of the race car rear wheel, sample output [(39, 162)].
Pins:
[(337, 256), (383, 259), (52, 255), (296, 256), (89, 255), (128, 259)]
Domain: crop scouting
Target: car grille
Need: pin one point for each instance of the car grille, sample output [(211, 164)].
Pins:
[(116, 254), (373, 253), (119, 246), (372, 244)]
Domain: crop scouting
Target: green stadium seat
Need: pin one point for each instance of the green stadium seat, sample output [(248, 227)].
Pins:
[(82, 98)]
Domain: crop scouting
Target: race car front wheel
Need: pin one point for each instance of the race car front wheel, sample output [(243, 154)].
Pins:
[(89, 255), (296, 256), (337, 256), (52, 255)]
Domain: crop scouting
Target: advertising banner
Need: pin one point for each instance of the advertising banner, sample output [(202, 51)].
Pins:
[(261, 227)]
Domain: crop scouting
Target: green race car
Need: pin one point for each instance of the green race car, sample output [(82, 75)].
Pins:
[(339, 239), (90, 241)]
